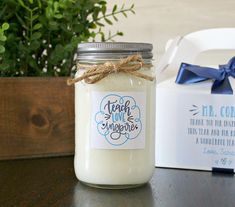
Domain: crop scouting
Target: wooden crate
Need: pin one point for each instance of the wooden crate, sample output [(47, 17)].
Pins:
[(36, 117)]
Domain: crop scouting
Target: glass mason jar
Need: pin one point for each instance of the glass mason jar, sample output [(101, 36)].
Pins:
[(115, 119)]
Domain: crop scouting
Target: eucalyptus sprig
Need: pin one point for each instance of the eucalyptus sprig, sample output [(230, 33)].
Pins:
[(40, 37), (107, 18), (3, 38)]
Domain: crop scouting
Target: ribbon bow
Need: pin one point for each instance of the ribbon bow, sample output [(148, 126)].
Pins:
[(193, 74)]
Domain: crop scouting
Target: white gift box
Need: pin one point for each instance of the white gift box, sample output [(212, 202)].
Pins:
[(194, 128)]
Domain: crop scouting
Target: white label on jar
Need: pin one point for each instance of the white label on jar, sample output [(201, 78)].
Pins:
[(118, 120)]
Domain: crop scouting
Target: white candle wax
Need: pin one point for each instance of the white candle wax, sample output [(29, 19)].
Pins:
[(113, 166)]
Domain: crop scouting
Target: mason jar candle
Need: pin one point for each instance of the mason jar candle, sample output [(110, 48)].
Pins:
[(114, 114)]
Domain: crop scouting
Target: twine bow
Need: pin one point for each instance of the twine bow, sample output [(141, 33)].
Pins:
[(95, 73)]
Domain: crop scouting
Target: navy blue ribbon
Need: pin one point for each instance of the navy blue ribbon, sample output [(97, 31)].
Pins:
[(193, 74)]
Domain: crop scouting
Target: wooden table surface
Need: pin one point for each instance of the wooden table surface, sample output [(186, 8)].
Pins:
[(51, 182)]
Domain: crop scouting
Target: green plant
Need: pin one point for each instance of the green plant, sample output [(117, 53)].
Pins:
[(3, 38), (40, 37)]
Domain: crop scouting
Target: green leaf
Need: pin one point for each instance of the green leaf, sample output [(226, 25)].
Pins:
[(3, 38), (56, 6), (32, 63), (58, 16), (35, 9), (132, 11), (115, 18), (21, 21), (31, 1), (75, 40), (93, 34), (93, 26), (21, 3), (102, 36), (114, 8), (49, 13), (35, 17), (132, 6), (5, 26), (95, 14), (124, 14), (53, 25), (69, 48), (57, 54), (36, 36), (37, 26), (103, 10), (39, 3), (102, 3), (120, 33), (4, 66), (2, 49), (34, 45), (100, 24), (108, 21)]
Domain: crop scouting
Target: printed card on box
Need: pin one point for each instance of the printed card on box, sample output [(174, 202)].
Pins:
[(196, 131)]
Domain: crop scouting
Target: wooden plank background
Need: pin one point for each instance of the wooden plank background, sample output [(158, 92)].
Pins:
[(36, 117)]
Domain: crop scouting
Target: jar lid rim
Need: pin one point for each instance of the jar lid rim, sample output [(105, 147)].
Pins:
[(115, 49), (114, 46)]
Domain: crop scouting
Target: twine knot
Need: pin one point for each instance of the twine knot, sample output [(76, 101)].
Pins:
[(129, 65)]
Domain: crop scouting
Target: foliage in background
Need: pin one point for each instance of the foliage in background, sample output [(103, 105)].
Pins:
[(40, 37)]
